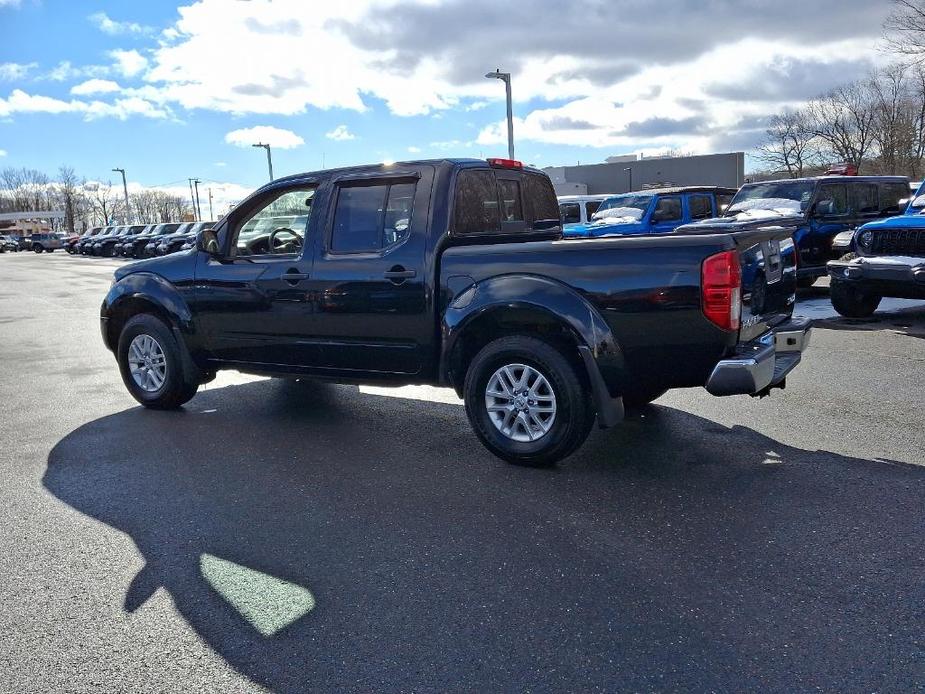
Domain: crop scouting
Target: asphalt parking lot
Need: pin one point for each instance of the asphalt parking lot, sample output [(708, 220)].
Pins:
[(306, 537)]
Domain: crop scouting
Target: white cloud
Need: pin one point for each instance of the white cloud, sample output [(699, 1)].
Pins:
[(414, 150), (220, 163), (65, 71), (340, 133), (10, 3), (112, 27), (2, 152), (95, 86), (267, 134), (22, 102), (129, 63), (10, 72)]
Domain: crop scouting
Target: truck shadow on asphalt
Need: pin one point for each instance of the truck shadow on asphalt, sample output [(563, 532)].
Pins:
[(671, 552)]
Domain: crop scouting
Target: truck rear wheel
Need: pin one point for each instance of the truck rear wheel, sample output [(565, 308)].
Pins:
[(526, 402), (851, 301), (151, 364)]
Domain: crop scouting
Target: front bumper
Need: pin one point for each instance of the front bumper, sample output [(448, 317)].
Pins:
[(899, 276), (764, 363)]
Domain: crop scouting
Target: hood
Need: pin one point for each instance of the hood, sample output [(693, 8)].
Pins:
[(164, 265), (908, 221), (606, 228)]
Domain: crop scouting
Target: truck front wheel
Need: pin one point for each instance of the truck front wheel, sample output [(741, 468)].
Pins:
[(151, 365), (851, 301), (526, 402)]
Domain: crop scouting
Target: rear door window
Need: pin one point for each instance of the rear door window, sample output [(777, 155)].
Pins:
[(865, 199), (890, 196), (833, 200), (667, 210), (369, 218), (701, 206)]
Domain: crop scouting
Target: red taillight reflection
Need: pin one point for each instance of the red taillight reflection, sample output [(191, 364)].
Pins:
[(721, 289)]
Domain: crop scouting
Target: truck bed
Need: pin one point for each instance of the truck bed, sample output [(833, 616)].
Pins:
[(646, 288)]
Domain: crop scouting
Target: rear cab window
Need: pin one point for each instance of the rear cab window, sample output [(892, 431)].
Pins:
[(490, 201)]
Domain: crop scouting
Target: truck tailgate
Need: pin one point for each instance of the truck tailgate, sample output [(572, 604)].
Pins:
[(768, 262)]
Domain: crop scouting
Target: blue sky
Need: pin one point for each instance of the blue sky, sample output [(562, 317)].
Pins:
[(156, 87)]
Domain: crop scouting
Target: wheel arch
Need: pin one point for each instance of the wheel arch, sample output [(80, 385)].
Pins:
[(144, 293), (528, 305)]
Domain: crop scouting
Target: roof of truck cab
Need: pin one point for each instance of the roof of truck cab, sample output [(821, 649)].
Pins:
[(393, 167)]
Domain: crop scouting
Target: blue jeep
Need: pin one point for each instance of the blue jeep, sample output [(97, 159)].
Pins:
[(654, 211), (820, 208), (888, 260)]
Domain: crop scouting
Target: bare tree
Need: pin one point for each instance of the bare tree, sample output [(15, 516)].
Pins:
[(69, 190), (905, 29), (791, 143), (843, 121)]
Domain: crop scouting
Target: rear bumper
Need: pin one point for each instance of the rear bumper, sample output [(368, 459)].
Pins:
[(762, 364), (899, 276)]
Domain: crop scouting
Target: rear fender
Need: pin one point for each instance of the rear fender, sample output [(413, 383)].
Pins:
[(558, 301)]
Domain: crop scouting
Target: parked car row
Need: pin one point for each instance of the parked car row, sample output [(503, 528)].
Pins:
[(138, 240), (837, 224), (38, 243)]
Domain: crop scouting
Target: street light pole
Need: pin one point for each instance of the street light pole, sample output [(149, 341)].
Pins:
[(506, 78), (630, 172), (196, 183), (128, 219), (211, 214), (269, 158), (192, 199)]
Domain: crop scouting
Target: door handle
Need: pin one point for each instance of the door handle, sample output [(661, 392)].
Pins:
[(293, 276), (399, 273)]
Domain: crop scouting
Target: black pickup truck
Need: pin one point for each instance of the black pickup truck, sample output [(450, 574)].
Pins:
[(454, 273)]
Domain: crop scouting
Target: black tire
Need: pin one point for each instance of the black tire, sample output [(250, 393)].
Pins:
[(49, 250), (574, 414), (37, 248), (636, 398), (176, 389), (851, 301)]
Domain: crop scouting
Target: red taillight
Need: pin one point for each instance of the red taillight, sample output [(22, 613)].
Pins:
[(505, 163), (721, 289)]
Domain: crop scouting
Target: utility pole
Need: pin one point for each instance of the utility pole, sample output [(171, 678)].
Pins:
[(128, 219), (506, 78), (192, 198), (211, 214), (196, 183), (269, 158)]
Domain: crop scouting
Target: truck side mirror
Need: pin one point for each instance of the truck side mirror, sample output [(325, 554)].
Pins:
[(207, 242)]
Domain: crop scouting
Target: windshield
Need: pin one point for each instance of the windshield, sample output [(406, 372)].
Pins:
[(782, 197), (631, 207)]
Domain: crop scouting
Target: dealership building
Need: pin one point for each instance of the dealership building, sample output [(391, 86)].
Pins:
[(631, 172)]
